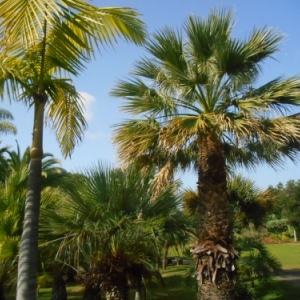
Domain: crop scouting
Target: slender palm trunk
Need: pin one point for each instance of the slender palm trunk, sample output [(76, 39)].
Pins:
[(28, 256), (214, 252)]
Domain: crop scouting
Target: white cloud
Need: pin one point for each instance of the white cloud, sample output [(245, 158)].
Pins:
[(88, 100)]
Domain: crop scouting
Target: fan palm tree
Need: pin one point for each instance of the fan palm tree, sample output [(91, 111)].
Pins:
[(105, 227), (41, 42), (199, 86)]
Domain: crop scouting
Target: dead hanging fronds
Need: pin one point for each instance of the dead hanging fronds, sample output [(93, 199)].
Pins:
[(214, 261)]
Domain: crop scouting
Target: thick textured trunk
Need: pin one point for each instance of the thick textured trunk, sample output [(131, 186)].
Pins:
[(92, 283), (59, 290), (28, 256), (216, 257), (118, 289), (137, 272), (92, 292)]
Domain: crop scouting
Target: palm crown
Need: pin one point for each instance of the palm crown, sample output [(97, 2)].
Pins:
[(43, 42), (203, 83)]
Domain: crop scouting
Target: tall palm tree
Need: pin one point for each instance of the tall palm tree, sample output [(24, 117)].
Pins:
[(105, 225), (12, 204), (41, 43), (199, 85)]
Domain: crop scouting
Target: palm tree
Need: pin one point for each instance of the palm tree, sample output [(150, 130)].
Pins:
[(41, 42), (198, 85), (12, 204), (105, 228), (250, 208)]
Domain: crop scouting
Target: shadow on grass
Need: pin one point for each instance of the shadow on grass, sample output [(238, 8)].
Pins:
[(278, 290), (178, 285)]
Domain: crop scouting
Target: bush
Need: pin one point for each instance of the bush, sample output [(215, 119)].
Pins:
[(285, 237)]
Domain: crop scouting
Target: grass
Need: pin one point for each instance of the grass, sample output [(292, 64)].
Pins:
[(288, 254), (277, 290), (178, 283)]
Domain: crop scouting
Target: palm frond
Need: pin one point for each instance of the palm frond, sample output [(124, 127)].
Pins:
[(66, 114)]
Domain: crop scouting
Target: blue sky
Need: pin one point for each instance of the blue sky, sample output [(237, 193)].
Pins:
[(102, 111)]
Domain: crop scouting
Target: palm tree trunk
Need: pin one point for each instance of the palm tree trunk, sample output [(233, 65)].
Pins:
[(2, 297), (214, 248), (165, 255), (28, 256), (140, 293), (59, 290), (118, 289)]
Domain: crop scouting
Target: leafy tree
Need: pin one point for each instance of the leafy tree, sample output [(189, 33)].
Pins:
[(197, 88), (42, 43), (286, 208)]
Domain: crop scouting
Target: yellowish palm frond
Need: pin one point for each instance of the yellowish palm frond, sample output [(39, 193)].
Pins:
[(26, 21), (66, 114)]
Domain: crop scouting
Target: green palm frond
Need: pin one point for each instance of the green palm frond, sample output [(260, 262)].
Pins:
[(103, 216)]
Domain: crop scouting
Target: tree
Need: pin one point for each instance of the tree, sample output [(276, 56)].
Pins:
[(198, 85), (250, 206), (286, 207), (12, 203), (41, 41), (105, 228)]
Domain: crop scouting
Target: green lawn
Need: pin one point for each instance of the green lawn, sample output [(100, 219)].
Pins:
[(288, 254), (178, 283)]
